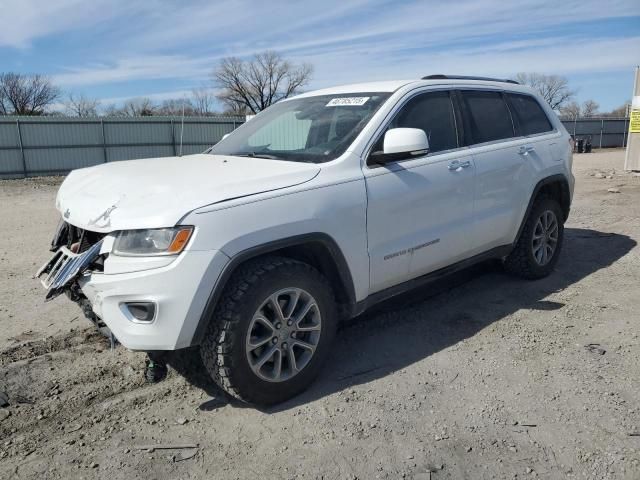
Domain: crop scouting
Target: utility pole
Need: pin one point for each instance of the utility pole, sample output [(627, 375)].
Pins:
[(632, 158)]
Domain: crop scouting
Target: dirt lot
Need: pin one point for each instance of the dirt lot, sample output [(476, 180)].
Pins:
[(484, 376)]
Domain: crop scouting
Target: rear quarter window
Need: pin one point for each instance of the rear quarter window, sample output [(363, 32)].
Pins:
[(488, 115), (530, 116)]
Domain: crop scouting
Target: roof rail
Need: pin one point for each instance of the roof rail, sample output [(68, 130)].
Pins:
[(440, 76)]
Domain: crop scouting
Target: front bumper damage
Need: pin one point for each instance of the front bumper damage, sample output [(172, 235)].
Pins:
[(65, 267), (108, 287), (76, 251)]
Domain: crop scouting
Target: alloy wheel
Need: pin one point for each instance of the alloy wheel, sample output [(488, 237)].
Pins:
[(283, 334), (545, 238)]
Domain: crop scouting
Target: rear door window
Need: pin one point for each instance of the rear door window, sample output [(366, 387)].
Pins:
[(488, 116), (530, 115)]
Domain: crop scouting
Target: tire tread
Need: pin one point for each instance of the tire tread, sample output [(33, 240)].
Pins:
[(220, 339), (518, 262)]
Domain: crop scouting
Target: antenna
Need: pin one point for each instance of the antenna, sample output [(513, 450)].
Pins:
[(182, 125)]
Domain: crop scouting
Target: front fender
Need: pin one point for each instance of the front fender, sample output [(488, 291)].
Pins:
[(331, 215)]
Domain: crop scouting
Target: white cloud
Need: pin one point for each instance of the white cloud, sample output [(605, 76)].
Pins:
[(346, 41), (557, 57), (26, 20), (417, 23), (151, 67)]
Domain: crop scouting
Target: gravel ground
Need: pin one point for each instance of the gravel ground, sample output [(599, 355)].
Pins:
[(482, 376)]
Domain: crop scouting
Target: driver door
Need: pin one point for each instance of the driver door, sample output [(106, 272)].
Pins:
[(420, 210)]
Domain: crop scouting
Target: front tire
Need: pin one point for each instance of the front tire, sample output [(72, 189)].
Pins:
[(537, 251), (271, 331)]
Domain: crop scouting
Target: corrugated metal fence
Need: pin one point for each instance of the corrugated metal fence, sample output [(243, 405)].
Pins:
[(603, 132), (33, 146)]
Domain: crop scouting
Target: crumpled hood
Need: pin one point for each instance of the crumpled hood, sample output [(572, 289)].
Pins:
[(158, 192)]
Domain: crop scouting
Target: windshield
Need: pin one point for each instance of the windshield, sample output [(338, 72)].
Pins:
[(312, 129)]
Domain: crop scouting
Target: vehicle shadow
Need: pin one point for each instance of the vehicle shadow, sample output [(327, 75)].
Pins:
[(420, 323)]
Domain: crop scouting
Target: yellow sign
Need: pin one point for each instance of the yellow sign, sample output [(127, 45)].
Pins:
[(634, 123)]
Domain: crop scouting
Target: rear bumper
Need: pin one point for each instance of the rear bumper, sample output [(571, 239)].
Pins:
[(179, 291)]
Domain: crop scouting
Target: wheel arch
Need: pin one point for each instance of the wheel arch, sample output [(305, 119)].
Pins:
[(317, 249), (555, 186)]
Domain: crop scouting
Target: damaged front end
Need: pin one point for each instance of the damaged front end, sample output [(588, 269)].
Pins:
[(76, 252)]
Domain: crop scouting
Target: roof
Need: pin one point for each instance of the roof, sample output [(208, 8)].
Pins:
[(393, 85), (368, 87)]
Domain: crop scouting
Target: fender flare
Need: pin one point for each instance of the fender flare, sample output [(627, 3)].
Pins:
[(557, 178), (298, 240)]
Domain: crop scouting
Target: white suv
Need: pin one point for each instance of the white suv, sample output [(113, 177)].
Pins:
[(319, 207)]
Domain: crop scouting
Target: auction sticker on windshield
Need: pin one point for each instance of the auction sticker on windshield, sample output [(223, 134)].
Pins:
[(347, 101)]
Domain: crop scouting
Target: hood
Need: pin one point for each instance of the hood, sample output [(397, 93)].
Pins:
[(158, 192)]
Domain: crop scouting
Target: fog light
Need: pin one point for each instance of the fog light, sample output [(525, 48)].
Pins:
[(142, 311)]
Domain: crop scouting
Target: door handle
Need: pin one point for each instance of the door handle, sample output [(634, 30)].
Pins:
[(525, 149), (457, 165)]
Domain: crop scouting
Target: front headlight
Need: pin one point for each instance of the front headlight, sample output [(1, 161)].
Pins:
[(157, 241)]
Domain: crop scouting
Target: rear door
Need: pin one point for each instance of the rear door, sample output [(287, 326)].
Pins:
[(419, 210), (532, 123), (505, 161)]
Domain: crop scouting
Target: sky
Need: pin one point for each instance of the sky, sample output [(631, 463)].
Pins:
[(119, 49)]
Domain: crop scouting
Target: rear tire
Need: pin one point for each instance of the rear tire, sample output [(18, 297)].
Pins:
[(244, 352), (538, 248)]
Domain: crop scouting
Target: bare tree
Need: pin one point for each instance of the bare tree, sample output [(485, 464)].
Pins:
[(111, 110), (571, 110), (174, 107), (553, 88), (233, 107), (253, 85), (203, 100), (3, 103), (81, 106), (138, 107), (590, 108), (620, 112), (26, 94)]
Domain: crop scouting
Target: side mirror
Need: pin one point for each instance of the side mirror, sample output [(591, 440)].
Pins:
[(401, 144), (225, 136)]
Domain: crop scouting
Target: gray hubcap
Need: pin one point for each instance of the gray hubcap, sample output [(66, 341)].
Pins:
[(545, 238), (283, 334)]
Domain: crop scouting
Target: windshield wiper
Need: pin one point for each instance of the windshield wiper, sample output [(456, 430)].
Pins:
[(256, 155), (272, 157)]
